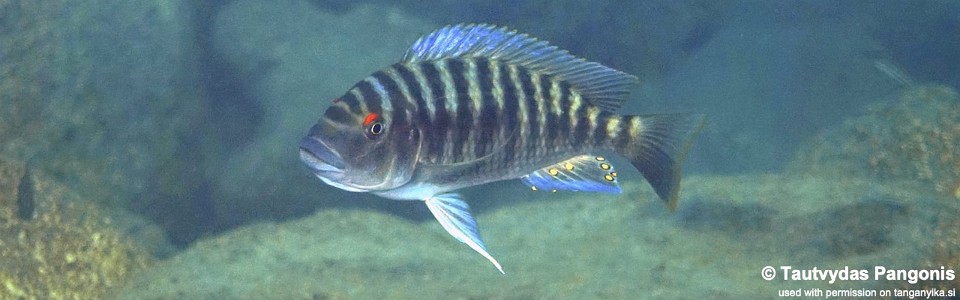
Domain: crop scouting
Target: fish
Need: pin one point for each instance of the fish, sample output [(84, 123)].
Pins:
[(470, 104), (26, 204)]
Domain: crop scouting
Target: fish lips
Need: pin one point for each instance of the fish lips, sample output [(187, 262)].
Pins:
[(323, 160)]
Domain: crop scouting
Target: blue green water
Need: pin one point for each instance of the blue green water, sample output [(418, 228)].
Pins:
[(831, 141)]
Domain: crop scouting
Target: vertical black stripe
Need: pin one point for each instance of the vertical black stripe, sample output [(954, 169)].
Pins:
[(370, 96), (580, 132), (546, 97), (510, 100), (464, 102), (600, 133), (565, 110), (432, 76), (397, 101), (337, 114), (509, 117), (511, 105), (351, 102), (436, 134), (488, 112), (509, 152), (532, 111), (423, 115), (458, 72), (623, 138)]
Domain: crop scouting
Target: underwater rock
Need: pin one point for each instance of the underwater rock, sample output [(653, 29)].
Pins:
[(848, 230), (320, 257), (914, 137), (722, 216), (62, 248), (300, 63), (102, 96), (945, 252), (812, 218), (96, 94)]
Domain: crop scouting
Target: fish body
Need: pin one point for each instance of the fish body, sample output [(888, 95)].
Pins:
[(473, 104)]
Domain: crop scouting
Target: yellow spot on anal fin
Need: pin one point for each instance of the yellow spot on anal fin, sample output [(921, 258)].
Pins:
[(605, 166), (600, 158), (614, 174), (534, 188), (553, 171), (608, 177), (568, 166)]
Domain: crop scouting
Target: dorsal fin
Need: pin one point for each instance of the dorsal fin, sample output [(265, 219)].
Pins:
[(603, 87)]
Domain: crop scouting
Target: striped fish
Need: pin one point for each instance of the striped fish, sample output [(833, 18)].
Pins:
[(472, 104)]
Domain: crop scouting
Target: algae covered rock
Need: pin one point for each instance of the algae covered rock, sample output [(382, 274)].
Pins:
[(915, 137), (946, 250), (103, 96), (54, 244)]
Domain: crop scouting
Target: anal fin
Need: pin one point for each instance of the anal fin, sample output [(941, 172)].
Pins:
[(588, 173), (454, 215)]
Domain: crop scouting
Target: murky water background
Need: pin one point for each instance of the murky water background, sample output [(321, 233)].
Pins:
[(148, 149)]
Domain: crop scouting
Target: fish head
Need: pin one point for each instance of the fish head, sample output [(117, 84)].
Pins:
[(361, 150)]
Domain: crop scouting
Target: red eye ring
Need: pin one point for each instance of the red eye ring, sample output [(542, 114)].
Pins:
[(370, 118), (373, 123)]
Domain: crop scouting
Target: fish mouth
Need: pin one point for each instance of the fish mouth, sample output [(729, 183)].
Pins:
[(321, 159)]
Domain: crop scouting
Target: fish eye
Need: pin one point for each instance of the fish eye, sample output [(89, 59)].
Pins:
[(374, 125), (376, 128)]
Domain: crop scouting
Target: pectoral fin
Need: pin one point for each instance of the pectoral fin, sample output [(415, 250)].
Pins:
[(588, 173), (454, 215)]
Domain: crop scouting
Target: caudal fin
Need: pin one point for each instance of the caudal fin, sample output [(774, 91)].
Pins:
[(657, 147)]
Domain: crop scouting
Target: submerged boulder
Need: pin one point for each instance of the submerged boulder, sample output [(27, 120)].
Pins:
[(915, 136), (54, 244), (102, 96)]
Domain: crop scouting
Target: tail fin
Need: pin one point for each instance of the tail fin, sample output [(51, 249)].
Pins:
[(657, 148)]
